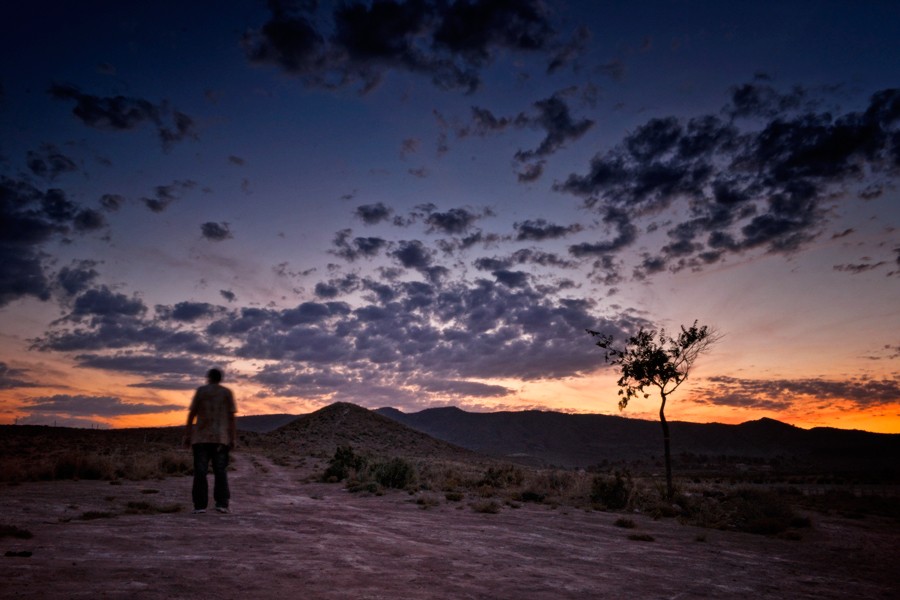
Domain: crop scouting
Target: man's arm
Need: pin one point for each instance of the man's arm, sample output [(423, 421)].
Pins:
[(189, 429)]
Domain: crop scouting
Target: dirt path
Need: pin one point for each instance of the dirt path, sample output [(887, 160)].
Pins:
[(290, 539)]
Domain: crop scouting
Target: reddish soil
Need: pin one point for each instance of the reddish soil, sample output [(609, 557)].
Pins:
[(288, 538)]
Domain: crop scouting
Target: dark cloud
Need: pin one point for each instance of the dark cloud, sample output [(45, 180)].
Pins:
[(119, 113), (103, 302), (94, 406), (858, 268), (782, 394), (111, 202), (49, 162), (164, 195), (448, 42), (513, 279), (554, 118), (189, 312), (463, 388), (11, 378), (236, 160), (409, 146), (626, 233), (216, 232), (228, 295), (531, 172), (567, 53), (78, 277), (762, 188), (357, 247), (540, 230), (453, 222), (413, 255), (29, 218)]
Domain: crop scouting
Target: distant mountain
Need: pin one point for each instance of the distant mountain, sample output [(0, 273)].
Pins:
[(579, 440), (263, 423)]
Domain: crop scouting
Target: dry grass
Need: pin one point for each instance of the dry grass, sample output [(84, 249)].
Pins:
[(36, 453)]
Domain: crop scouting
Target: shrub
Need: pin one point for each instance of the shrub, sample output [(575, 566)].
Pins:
[(531, 496), (624, 523), (611, 492), (395, 473), (344, 463), (759, 511), (454, 496), (502, 477), (641, 537), (426, 502), (486, 506)]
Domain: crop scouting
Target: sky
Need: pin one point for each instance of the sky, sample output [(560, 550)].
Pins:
[(426, 203)]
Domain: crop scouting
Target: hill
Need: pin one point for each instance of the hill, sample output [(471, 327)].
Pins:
[(344, 424), (579, 440)]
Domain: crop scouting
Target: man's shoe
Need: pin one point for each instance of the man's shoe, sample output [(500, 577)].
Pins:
[(198, 511), (222, 509)]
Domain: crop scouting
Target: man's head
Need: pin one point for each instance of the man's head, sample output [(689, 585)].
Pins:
[(214, 375)]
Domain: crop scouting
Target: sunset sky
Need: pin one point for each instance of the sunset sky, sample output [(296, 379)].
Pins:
[(426, 203)]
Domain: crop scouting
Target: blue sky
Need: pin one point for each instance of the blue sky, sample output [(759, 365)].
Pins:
[(426, 203)]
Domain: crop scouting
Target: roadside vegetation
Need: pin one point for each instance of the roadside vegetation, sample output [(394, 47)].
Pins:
[(490, 488)]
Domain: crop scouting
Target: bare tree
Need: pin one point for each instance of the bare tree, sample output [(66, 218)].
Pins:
[(649, 359)]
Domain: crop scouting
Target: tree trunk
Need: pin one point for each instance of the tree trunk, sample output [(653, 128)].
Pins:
[(670, 489)]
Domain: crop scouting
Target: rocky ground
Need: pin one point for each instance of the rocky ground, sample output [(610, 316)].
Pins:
[(290, 538)]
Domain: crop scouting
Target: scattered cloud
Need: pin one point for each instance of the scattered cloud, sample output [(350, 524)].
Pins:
[(372, 214), (120, 113), (448, 42), (216, 232), (763, 188), (11, 378), (33, 217), (540, 230), (49, 162), (164, 195), (94, 406), (783, 394)]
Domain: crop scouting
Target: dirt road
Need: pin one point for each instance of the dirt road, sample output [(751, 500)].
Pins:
[(288, 538)]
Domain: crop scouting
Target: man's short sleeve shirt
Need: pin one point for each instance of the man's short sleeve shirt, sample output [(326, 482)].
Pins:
[(214, 404)]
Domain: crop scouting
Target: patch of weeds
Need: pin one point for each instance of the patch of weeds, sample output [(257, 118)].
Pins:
[(92, 515), (355, 487), (426, 502), (641, 537), (15, 532), (613, 492), (502, 477), (486, 506), (149, 491), (454, 496), (759, 511), (532, 496), (701, 537), (115, 482), (624, 523)]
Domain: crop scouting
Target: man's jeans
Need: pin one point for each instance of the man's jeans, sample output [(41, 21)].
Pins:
[(203, 453)]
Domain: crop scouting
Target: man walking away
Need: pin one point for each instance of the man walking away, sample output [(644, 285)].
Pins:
[(214, 436)]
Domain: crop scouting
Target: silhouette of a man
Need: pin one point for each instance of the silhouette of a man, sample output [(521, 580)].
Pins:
[(214, 436)]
